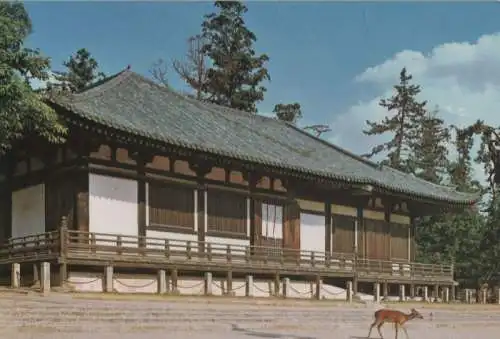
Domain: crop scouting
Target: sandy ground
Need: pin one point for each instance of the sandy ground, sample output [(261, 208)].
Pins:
[(67, 316)]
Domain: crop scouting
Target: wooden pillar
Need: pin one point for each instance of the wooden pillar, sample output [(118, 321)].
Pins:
[(161, 283), (15, 276), (376, 292), (141, 199), (108, 279), (358, 228), (277, 284), (249, 286), (412, 291), (174, 278), (402, 296), (201, 167), (201, 196), (328, 227), (386, 290), (319, 287), (81, 218), (207, 290), (229, 283), (411, 242), (254, 210), (45, 277)]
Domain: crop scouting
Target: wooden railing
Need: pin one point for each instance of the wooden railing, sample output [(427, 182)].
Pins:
[(32, 247), (76, 245)]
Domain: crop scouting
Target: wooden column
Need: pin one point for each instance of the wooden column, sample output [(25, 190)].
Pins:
[(141, 201), (201, 167), (328, 227), (357, 228), (412, 242), (255, 213), (81, 218), (201, 190)]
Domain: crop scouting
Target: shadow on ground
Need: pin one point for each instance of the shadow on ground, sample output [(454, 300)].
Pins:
[(259, 334)]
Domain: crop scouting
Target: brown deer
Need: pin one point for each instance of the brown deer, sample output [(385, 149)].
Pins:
[(398, 318)]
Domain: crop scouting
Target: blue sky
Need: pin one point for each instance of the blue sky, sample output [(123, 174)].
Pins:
[(316, 49)]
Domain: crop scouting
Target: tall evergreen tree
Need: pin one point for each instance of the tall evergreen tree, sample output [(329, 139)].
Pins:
[(404, 122), (81, 71), (235, 78), (288, 112), (22, 111), (430, 148)]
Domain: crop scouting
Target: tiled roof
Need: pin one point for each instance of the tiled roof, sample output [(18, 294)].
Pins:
[(134, 104)]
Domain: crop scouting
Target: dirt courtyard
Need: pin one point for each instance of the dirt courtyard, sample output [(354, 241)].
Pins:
[(70, 316)]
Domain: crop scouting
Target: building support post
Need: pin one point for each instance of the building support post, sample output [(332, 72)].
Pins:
[(174, 279), (15, 276), (45, 281), (349, 292), (386, 290), (401, 292), (426, 293), (207, 290), (108, 279), (161, 282), (286, 287), (376, 292), (412, 291), (319, 287), (249, 286)]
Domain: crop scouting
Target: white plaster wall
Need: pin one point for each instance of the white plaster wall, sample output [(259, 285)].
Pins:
[(238, 246), (312, 232), (28, 211), (113, 208)]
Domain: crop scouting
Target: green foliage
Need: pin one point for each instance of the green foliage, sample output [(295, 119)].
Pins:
[(236, 74), (82, 71), (430, 148), (407, 114), (22, 111), (288, 112)]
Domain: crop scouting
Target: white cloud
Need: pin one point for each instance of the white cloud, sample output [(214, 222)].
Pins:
[(463, 79)]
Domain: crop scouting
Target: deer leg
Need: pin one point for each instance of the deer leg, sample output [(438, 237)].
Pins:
[(371, 327), (378, 329), (396, 328), (404, 329)]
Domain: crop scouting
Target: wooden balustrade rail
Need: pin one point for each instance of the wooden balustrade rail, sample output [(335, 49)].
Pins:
[(69, 243)]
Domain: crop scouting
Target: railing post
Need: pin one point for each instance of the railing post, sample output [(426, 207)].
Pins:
[(63, 251)]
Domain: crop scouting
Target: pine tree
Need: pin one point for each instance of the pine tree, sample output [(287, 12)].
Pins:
[(430, 148), (82, 71), (235, 78), (407, 114), (288, 112), (22, 111)]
